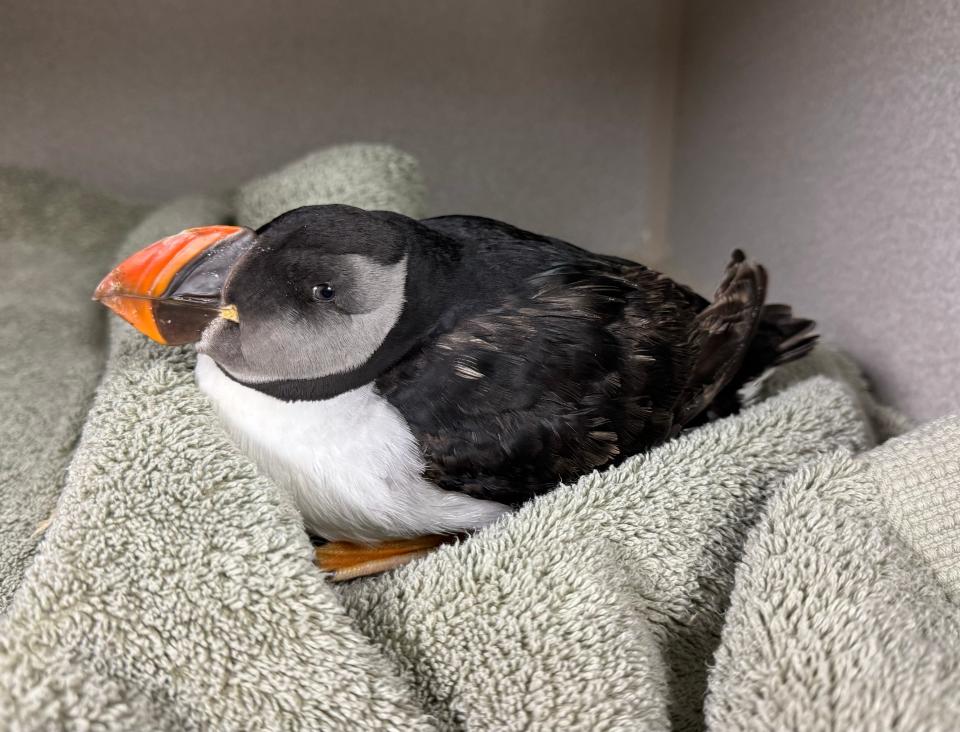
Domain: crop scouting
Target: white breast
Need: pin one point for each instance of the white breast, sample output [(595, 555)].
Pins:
[(351, 462)]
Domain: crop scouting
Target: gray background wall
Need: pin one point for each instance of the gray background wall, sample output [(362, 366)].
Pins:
[(823, 137), (546, 113)]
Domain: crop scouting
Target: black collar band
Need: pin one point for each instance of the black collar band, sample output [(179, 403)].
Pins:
[(324, 387)]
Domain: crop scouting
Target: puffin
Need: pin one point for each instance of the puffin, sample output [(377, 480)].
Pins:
[(410, 382)]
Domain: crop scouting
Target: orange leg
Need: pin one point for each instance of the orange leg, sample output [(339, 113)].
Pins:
[(347, 560)]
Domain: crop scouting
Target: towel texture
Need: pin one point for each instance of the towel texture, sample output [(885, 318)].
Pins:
[(55, 240), (375, 177), (175, 588), (836, 621), (916, 479)]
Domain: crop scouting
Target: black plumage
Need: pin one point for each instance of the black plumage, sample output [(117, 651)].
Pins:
[(571, 361)]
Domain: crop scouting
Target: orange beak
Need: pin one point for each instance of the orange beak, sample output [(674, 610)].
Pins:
[(170, 290)]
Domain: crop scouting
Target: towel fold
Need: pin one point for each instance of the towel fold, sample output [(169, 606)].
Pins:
[(55, 239), (842, 617)]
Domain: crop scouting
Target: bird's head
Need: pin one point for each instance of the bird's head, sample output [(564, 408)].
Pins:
[(313, 293)]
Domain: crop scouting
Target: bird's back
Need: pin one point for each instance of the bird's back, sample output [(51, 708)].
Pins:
[(559, 361)]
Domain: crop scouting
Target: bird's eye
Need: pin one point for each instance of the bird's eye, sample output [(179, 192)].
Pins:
[(324, 292)]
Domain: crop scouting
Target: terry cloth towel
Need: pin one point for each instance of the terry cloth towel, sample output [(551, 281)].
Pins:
[(175, 587), (844, 613), (55, 239)]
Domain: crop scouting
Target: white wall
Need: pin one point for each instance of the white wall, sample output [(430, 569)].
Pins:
[(546, 113), (823, 137)]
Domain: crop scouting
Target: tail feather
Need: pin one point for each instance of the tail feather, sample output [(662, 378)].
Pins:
[(780, 338), (721, 335), (737, 338)]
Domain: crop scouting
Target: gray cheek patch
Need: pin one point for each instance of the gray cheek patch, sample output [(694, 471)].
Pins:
[(337, 340), (365, 283)]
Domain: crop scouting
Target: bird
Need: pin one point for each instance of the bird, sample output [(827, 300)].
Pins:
[(413, 381)]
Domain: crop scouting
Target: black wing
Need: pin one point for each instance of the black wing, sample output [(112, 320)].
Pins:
[(581, 369), (581, 361)]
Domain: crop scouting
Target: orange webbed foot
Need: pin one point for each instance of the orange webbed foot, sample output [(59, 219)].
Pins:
[(346, 560)]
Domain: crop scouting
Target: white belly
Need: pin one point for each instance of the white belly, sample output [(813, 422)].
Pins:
[(351, 463)]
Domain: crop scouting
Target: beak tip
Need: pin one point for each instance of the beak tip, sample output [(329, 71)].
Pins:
[(109, 285)]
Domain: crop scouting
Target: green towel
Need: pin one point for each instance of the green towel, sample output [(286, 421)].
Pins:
[(844, 612), (175, 588), (55, 241)]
